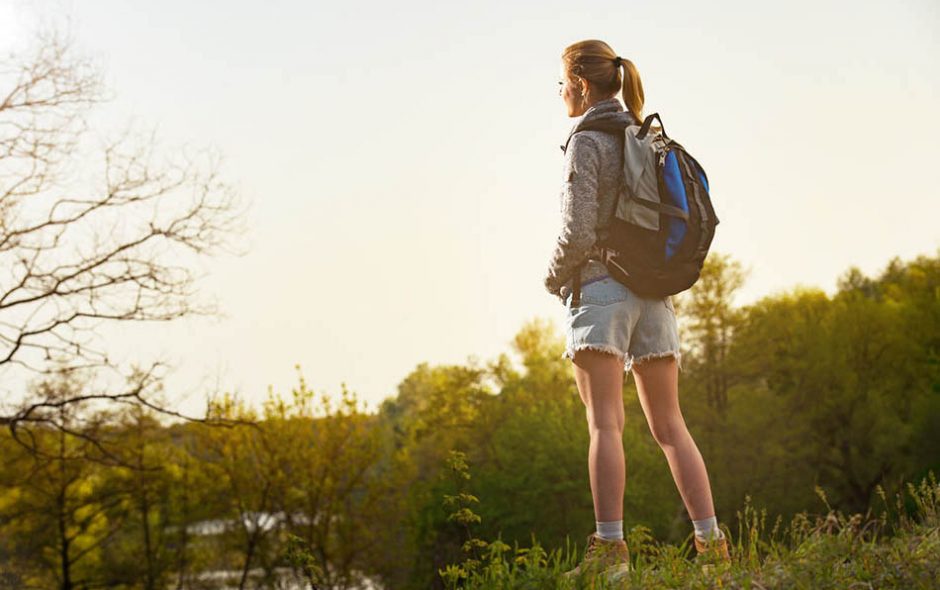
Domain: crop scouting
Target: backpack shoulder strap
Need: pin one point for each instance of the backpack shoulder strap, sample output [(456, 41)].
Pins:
[(607, 126)]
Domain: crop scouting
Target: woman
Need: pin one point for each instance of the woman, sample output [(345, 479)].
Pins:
[(612, 330)]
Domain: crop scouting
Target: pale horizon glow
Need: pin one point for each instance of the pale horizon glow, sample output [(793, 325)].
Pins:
[(404, 168)]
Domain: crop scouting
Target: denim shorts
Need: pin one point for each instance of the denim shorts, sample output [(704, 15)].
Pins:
[(614, 319)]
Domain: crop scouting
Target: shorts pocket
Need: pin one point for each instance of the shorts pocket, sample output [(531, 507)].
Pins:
[(604, 292)]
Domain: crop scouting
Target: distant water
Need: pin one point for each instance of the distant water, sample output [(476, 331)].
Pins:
[(229, 579), (287, 580)]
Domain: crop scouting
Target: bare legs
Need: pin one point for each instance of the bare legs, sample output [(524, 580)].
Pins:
[(657, 383), (599, 377)]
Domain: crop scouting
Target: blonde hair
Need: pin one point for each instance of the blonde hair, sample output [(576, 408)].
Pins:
[(594, 61)]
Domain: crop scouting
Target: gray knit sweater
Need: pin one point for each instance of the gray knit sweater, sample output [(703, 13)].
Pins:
[(593, 173)]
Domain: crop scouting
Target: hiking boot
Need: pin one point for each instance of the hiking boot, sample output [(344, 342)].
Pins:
[(610, 558), (711, 553)]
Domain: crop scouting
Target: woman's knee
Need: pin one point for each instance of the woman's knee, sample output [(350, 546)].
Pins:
[(605, 417), (668, 432)]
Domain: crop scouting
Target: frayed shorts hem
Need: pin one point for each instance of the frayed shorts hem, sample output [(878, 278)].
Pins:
[(628, 359)]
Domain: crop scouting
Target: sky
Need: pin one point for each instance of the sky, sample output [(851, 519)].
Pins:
[(403, 166)]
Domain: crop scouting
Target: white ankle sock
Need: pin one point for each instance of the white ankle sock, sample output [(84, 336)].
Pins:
[(610, 531), (707, 527)]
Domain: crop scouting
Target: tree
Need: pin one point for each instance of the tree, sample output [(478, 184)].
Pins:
[(712, 322), (91, 235), (246, 475), (340, 489), (57, 503), (851, 382), (143, 551)]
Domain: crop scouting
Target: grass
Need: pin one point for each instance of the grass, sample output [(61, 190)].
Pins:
[(900, 548)]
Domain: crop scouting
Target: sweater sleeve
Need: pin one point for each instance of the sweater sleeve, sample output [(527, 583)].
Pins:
[(578, 212)]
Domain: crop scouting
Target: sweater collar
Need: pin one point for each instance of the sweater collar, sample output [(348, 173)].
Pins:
[(607, 109), (602, 106)]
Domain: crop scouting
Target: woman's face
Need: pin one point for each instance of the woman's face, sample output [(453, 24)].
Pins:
[(570, 91)]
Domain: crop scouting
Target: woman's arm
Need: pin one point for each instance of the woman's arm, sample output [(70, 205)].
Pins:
[(579, 212)]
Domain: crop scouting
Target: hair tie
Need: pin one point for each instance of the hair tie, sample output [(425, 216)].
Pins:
[(617, 61)]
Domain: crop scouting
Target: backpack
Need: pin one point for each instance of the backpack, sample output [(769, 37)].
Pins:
[(663, 223)]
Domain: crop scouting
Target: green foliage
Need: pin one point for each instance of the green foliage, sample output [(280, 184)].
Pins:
[(298, 555), (798, 397), (827, 551), (464, 516)]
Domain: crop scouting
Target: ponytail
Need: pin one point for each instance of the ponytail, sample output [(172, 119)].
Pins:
[(632, 89)]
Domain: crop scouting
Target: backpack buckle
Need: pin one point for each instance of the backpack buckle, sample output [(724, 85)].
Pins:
[(598, 253)]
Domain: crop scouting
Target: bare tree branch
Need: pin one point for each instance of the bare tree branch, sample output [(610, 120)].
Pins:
[(77, 253)]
